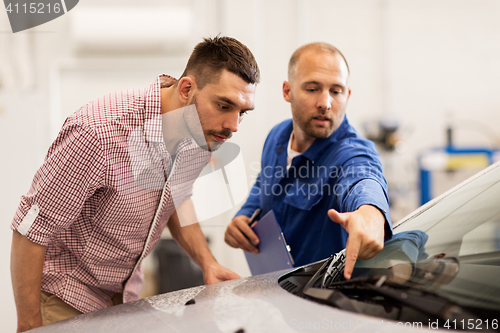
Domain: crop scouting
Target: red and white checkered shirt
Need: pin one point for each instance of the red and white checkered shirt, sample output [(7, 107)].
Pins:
[(104, 194)]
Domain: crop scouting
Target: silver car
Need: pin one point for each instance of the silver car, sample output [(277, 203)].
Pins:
[(440, 271)]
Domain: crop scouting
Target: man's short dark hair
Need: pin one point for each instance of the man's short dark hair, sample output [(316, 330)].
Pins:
[(212, 55)]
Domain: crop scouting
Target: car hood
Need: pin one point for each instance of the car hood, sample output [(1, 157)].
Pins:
[(252, 304)]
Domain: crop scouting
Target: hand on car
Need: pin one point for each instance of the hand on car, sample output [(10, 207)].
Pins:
[(240, 235), (365, 227), (216, 273)]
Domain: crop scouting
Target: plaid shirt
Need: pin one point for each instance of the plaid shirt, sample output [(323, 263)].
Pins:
[(104, 194)]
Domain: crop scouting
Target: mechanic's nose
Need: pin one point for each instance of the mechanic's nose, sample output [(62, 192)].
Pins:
[(232, 121), (325, 101)]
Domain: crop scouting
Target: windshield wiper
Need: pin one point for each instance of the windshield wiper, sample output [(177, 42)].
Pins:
[(425, 302)]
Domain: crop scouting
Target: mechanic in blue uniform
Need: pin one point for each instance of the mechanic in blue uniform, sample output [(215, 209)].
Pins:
[(323, 181)]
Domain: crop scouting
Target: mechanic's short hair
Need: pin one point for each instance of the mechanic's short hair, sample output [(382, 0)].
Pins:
[(212, 55), (316, 47)]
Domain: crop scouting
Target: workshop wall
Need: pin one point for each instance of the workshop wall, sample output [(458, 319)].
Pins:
[(424, 63)]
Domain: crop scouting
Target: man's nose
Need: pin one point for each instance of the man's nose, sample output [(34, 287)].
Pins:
[(325, 101), (232, 121)]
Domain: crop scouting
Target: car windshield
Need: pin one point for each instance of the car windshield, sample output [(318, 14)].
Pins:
[(451, 246), (443, 262)]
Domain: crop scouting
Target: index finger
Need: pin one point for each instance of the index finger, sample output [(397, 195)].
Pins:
[(351, 254)]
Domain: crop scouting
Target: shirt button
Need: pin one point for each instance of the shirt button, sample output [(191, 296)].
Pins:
[(281, 150)]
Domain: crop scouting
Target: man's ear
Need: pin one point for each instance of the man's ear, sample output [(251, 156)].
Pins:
[(286, 90), (186, 88)]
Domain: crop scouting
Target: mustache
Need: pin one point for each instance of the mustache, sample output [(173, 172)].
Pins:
[(226, 133)]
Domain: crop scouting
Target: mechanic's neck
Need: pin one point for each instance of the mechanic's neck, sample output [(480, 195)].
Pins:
[(300, 140)]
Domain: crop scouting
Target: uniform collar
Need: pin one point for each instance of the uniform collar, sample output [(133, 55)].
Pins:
[(318, 147)]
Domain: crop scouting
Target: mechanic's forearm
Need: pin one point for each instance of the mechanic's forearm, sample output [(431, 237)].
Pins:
[(190, 237), (26, 268)]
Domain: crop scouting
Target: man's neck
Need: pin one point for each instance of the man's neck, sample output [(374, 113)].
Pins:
[(169, 101), (300, 141), (173, 126)]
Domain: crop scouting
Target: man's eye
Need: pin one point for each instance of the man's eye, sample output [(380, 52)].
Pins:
[(223, 107), (336, 92), (242, 113), (311, 89)]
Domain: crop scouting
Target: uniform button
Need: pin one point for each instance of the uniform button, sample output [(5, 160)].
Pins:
[(281, 150)]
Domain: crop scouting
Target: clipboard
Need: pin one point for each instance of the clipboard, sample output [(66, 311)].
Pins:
[(273, 252)]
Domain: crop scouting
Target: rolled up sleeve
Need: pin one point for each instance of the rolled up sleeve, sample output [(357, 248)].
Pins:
[(363, 183), (72, 171), (369, 192)]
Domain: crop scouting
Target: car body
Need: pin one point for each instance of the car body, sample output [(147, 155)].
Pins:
[(440, 271)]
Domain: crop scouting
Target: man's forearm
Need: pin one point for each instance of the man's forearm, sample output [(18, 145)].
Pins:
[(190, 237), (26, 272)]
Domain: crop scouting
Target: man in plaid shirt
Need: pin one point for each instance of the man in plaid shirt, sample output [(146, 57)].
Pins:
[(120, 170)]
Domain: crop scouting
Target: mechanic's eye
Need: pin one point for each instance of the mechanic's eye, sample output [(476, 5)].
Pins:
[(223, 107)]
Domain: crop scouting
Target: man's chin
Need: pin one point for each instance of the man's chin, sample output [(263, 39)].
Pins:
[(210, 145), (213, 145), (320, 134), (213, 142)]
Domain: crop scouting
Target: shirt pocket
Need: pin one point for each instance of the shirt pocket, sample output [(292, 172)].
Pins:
[(303, 195)]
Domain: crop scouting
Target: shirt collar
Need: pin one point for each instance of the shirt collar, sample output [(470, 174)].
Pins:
[(319, 146), (152, 107), (290, 152)]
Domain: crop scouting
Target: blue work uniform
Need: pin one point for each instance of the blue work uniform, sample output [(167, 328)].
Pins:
[(341, 172)]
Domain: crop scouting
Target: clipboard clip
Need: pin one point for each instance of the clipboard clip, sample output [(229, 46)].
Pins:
[(289, 249)]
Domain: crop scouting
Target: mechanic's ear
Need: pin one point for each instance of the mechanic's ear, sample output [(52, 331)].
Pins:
[(286, 91)]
